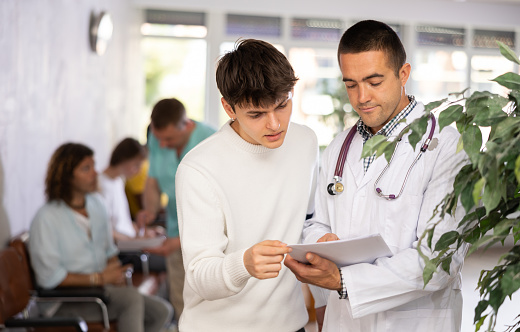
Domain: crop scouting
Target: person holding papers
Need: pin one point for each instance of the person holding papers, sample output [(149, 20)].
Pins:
[(242, 195), (365, 199)]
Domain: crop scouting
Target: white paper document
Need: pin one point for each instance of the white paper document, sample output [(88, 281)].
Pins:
[(139, 243), (345, 252)]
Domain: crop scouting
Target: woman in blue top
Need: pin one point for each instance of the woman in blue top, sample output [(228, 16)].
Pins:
[(71, 244)]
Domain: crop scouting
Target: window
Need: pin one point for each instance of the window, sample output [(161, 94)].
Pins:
[(316, 29), (259, 26), (319, 98), (438, 73), (440, 36), (175, 59)]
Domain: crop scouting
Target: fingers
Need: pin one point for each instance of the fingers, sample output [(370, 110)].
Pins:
[(328, 237), (264, 259), (320, 272)]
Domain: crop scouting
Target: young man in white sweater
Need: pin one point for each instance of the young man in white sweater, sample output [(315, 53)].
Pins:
[(242, 195)]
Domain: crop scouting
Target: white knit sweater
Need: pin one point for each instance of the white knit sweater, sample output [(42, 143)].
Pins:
[(231, 195)]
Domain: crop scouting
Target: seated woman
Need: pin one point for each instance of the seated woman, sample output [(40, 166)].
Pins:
[(71, 245), (125, 162)]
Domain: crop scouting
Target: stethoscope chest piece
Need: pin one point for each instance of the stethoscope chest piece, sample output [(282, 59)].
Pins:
[(335, 187)]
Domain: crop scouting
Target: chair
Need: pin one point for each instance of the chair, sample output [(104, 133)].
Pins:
[(15, 297), (72, 294)]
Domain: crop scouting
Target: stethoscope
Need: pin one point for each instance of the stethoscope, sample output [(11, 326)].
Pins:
[(336, 187)]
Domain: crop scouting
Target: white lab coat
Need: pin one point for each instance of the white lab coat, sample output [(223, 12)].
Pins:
[(388, 295)]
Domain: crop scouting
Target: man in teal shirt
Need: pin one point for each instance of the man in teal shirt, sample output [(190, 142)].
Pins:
[(172, 136)]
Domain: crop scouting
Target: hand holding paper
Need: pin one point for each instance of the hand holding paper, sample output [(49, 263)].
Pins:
[(345, 252)]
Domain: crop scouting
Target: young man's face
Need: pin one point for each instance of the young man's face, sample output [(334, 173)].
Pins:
[(374, 91), (262, 126)]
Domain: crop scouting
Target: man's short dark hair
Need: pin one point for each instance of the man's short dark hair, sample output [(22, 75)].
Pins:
[(254, 73), (167, 112), (372, 35)]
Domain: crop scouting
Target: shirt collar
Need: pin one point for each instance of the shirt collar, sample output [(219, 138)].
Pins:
[(388, 128)]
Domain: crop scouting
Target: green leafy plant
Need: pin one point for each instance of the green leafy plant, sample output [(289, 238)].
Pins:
[(488, 188)]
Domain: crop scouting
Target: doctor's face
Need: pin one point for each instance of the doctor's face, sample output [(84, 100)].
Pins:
[(262, 126), (374, 90)]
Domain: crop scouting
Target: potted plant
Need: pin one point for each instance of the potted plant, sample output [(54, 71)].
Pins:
[(488, 187)]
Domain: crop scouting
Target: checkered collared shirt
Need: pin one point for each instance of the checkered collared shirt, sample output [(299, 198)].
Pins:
[(387, 129)]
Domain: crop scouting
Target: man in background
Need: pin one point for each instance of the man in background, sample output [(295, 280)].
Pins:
[(172, 136)]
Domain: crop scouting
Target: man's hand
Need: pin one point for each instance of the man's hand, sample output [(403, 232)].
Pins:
[(328, 237), (144, 218), (169, 245), (320, 271), (264, 259)]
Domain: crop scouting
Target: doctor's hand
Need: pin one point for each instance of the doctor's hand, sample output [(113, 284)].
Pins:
[(264, 259), (328, 237), (320, 271)]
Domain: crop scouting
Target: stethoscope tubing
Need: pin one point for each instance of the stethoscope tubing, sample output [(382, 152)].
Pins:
[(340, 163)]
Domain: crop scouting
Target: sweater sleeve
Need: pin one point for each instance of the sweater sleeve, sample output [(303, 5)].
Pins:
[(210, 271)]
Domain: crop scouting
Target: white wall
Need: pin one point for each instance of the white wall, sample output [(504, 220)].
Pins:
[(53, 89)]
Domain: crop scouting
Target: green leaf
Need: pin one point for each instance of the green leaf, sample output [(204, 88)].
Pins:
[(517, 169), (446, 240), (516, 231), (449, 115), (483, 240), (429, 268), (508, 53), (503, 227), (446, 264), (491, 111), (472, 236), (480, 322), (433, 105), (430, 236), (491, 197), (466, 197), (478, 101), (514, 96), (418, 128), (477, 190), (472, 138), (509, 80), (510, 281), (389, 150), (460, 145), (479, 309), (372, 145)]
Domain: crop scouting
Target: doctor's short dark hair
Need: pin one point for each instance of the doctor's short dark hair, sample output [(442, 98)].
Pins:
[(372, 35), (254, 73), (166, 112), (61, 170)]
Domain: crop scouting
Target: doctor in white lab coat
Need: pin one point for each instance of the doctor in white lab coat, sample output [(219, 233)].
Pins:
[(388, 295)]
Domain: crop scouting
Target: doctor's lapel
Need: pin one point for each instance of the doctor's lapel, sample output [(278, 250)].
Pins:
[(354, 166)]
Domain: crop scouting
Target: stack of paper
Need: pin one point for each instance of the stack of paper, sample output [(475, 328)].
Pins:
[(345, 252)]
